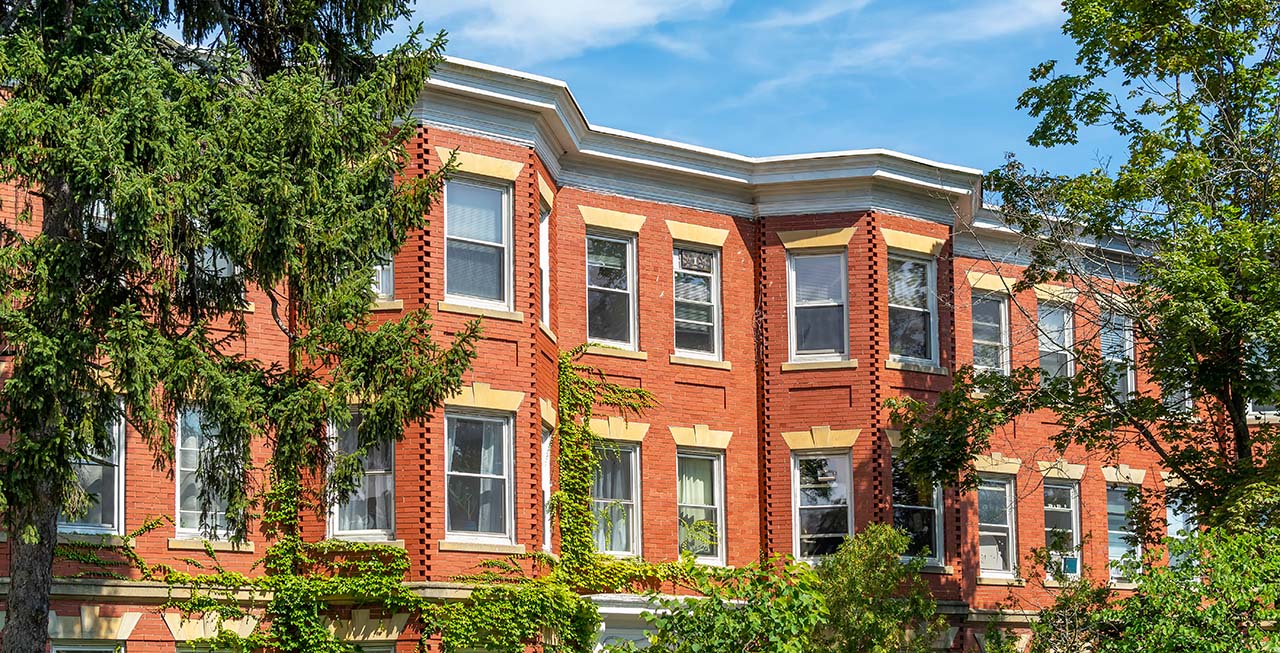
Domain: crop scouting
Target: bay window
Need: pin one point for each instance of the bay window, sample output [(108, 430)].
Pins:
[(912, 310), (611, 290), (478, 478), (823, 507), (819, 299), (477, 217)]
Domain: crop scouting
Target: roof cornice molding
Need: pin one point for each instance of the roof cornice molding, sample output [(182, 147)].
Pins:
[(562, 129)]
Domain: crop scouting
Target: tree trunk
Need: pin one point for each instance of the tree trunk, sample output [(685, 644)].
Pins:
[(26, 627)]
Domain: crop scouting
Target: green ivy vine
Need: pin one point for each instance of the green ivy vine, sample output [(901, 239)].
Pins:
[(532, 599)]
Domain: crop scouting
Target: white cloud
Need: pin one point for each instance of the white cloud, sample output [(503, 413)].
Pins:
[(524, 32), (811, 15)]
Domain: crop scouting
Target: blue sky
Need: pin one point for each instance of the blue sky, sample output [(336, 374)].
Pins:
[(933, 78)]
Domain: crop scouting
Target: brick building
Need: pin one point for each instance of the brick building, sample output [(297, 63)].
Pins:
[(770, 304)]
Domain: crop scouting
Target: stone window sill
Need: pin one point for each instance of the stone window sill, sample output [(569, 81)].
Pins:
[(388, 305), (701, 362), (924, 368), (463, 309), (186, 544), (480, 547), (1004, 581), (801, 366), (606, 350), (546, 330), (946, 570)]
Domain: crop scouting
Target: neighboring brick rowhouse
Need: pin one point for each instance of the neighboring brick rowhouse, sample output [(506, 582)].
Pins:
[(753, 403)]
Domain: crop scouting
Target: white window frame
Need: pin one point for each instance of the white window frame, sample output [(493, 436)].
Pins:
[(636, 521), (508, 258), (117, 427), (1011, 500), (1130, 352), (384, 272), (718, 459), (938, 552), (508, 462), (932, 273), (1179, 536), (633, 292), (716, 314), (369, 534), (544, 263), (795, 495), (1068, 334), (1114, 572), (793, 354), (180, 532), (1004, 344), (547, 431), (1252, 409), (1074, 511), (112, 647)]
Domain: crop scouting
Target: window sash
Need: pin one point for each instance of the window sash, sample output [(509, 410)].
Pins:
[(111, 478), (508, 516), (1117, 347), (1124, 539), (629, 292), (712, 303), (383, 284), (1003, 529), (707, 552), (843, 473), (183, 470), (546, 488), (1002, 325), (929, 310), (502, 248), (794, 313), (1052, 347), (1072, 511)]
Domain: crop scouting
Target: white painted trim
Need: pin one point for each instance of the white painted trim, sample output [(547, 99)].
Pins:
[(508, 475)]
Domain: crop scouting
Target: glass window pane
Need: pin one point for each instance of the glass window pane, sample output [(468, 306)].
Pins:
[(694, 312), (920, 525), (993, 551), (477, 505), (1053, 328), (993, 506), (696, 482), (613, 526), (815, 546), (698, 531), (607, 264), (909, 282), (819, 279), (613, 477), (820, 329), (695, 261), (695, 337), (824, 481), (693, 287), (1058, 496), (988, 356), (474, 212), (824, 521), (476, 446), (909, 333), (608, 315), (475, 270), (906, 492)]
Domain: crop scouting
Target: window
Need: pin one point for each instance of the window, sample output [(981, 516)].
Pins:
[(615, 497), (1122, 537), (991, 333), (823, 507), (1061, 525), (193, 445), (1177, 400), (611, 297), (383, 284), (477, 240), (697, 297), (918, 514), (1180, 520), (102, 480), (1116, 341), (546, 488), (911, 309), (215, 268), (544, 264), (1262, 407), (700, 503), (997, 548), (819, 305), (478, 501), (1056, 340), (370, 511)]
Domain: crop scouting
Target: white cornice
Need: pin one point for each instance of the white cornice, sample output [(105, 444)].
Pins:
[(527, 108)]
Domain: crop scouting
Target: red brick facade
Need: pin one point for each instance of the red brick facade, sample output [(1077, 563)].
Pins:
[(754, 391)]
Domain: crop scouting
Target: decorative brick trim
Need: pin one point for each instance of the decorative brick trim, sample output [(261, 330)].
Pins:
[(484, 166), (909, 242), (701, 436), (619, 428), (692, 233), (816, 238), (609, 219), (821, 437), (482, 395)]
